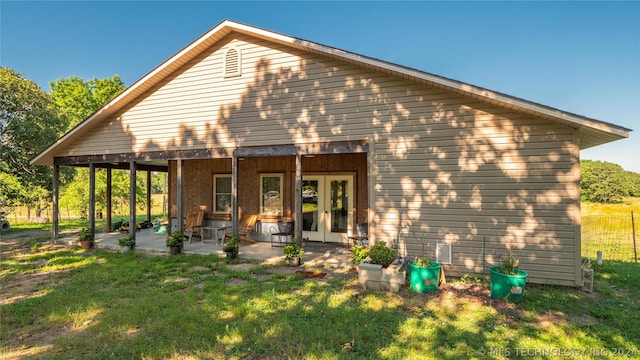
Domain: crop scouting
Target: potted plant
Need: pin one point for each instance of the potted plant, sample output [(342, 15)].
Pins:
[(360, 253), (424, 275), (379, 271), (85, 238), (293, 253), (174, 242), (126, 242), (231, 247), (507, 280)]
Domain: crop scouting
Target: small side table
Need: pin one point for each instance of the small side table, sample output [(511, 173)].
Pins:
[(209, 232)]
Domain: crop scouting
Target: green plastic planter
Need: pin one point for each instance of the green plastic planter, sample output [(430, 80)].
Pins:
[(424, 279), (507, 287)]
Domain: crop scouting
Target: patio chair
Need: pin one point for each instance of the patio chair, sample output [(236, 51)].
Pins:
[(193, 225), (361, 237), (285, 228), (247, 225)]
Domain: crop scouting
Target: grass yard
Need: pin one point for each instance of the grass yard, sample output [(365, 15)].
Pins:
[(63, 303)]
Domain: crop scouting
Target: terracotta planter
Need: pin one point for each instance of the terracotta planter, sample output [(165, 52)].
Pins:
[(86, 244), (174, 250), (317, 274)]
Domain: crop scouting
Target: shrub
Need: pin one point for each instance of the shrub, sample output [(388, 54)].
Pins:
[(381, 254), (126, 240), (232, 244), (175, 239), (292, 250), (510, 264), (360, 253), (85, 235)]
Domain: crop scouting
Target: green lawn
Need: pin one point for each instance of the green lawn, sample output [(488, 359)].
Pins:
[(67, 303)]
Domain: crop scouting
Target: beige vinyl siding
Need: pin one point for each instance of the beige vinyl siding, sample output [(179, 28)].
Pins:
[(445, 168), (481, 179)]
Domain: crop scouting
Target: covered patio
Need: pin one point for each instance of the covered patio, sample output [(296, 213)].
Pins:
[(316, 254)]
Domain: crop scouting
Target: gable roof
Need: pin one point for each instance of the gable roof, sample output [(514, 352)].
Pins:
[(591, 132)]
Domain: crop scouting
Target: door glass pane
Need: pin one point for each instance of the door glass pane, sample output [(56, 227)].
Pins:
[(339, 204), (310, 205)]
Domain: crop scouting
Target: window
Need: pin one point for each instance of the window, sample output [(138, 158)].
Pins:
[(232, 63), (271, 194), (222, 194)]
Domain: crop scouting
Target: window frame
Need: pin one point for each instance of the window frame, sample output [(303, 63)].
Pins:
[(215, 194), (280, 211)]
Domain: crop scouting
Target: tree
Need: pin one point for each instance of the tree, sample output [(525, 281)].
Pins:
[(28, 124), (77, 99), (606, 182)]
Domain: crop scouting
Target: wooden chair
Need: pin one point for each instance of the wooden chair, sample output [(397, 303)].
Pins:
[(193, 225), (247, 225)]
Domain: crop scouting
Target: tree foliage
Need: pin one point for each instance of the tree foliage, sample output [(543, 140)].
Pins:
[(77, 99), (74, 197), (607, 182), (28, 124)]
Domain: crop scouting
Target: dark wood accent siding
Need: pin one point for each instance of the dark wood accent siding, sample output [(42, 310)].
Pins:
[(198, 181), (355, 164)]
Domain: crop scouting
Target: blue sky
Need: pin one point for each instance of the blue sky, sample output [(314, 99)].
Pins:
[(581, 57)]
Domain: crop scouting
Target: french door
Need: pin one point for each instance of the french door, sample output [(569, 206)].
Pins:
[(327, 207)]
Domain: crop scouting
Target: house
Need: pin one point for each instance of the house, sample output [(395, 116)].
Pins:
[(251, 122)]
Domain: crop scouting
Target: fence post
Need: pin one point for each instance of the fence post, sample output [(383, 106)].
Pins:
[(633, 232)]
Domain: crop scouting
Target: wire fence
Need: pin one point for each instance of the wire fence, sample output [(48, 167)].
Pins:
[(611, 234)]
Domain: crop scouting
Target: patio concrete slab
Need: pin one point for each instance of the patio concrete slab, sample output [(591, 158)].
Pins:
[(317, 254)]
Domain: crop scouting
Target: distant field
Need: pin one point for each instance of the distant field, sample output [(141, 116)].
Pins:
[(608, 228), (630, 204), (19, 216)]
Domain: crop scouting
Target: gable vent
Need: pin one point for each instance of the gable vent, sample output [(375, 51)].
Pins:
[(232, 63)]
